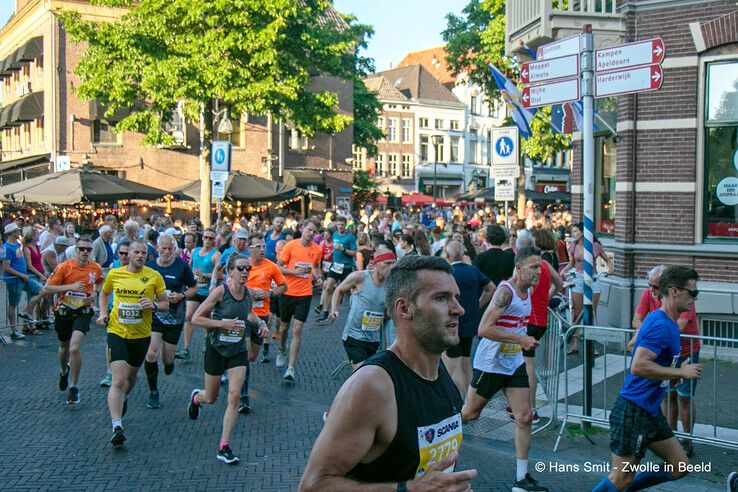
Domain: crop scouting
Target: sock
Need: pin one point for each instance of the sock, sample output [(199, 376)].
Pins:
[(117, 423), (152, 374), (266, 349), (605, 486), (245, 388), (644, 480), (223, 444), (168, 368), (522, 469), (108, 372)]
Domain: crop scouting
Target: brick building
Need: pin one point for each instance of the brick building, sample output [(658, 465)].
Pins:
[(666, 184), (43, 120)]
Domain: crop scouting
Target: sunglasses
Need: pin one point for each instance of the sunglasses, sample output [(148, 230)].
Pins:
[(654, 287), (258, 246), (692, 293), (84, 248), (208, 237), (122, 253), (243, 268)]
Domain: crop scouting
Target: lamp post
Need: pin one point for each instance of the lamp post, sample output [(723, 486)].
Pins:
[(436, 139)]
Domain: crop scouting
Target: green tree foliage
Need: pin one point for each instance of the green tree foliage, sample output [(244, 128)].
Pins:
[(477, 38), (366, 189), (257, 56)]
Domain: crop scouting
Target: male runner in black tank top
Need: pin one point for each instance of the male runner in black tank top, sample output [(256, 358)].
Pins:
[(397, 419)]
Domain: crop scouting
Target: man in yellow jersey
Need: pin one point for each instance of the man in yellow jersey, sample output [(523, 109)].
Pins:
[(139, 291)]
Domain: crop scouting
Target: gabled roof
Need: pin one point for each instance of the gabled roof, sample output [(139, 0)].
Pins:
[(433, 60), (384, 88), (415, 82)]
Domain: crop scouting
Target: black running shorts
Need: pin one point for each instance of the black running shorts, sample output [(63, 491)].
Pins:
[(130, 350), (489, 383)]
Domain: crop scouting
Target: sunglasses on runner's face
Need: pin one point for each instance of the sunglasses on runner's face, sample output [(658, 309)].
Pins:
[(692, 293), (654, 287), (122, 253), (84, 248), (243, 268)]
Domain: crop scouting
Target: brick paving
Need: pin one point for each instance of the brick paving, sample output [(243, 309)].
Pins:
[(46, 444)]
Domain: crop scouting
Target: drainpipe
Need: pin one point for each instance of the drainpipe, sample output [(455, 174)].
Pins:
[(634, 163), (54, 113)]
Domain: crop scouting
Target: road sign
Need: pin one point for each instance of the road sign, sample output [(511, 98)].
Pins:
[(505, 145), (220, 155), (640, 79), (550, 69), (553, 93), (562, 47), (218, 181), (62, 163), (504, 190), (630, 55)]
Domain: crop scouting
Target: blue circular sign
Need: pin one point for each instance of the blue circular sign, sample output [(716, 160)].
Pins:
[(504, 146), (220, 156)]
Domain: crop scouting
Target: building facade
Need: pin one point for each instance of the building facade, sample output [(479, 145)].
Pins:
[(42, 120)]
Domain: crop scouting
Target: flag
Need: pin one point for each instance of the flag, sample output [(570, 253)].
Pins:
[(511, 95), (562, 119), (577, 109)]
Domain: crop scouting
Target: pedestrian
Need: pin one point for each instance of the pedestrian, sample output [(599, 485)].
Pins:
[(227, 316), (17, 280), (35, 266), (130, 232), (102, 249), (636, 420), (497, 264), (396, 421)]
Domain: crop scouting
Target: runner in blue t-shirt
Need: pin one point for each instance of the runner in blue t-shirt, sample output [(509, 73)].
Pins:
[(636, 420), (273, 237), (344, 251)]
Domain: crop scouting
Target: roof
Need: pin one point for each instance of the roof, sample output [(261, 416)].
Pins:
[(384, 88), (415, 82), (433, 60)]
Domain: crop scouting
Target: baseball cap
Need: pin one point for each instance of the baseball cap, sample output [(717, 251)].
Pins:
[(173, 231), (12, 227), (242, 234), (62, 240)]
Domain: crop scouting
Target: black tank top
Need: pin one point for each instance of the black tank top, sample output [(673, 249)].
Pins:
[(230, 308), (428, 423)]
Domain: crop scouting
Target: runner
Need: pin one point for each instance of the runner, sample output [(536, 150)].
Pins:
[(274, 236), (325, 264), (344, 250), (139, 291), (411, 439), (299, 262), (498, 362), (77, 281), (166, 326), (362, 333), (240, 247), (122, 261), (226, 314), (265, 280), (636, 420), (203, 263)]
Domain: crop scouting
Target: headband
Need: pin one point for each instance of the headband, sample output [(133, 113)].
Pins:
[(383, 257)]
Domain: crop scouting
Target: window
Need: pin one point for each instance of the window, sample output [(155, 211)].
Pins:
[(438, 151), (392, 124), (473, 146), (26, 136), (176, 127), (473, 105), (392, 164), (454, 124), (439, 124), (721, 150), (40, 130), (407, 165), (605, 159), (379, 165), (407, 129), (380, 125), (454, 149), (424, 148), (298, 140), (359, 157), (492, 109), (102, 133), (423, 122)]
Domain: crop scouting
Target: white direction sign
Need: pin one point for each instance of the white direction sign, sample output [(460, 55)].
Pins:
[(553, 93), (504, 190), (640, 79), (562, 47), (549, 69), (630, 55), (218, 181)]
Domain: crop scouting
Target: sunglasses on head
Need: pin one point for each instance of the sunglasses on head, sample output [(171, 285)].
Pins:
[(655, 287), (84, 248), (243, 268)]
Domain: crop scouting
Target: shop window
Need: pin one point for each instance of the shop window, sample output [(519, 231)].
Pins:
[(721, 151), (605, 176), (103, 133)]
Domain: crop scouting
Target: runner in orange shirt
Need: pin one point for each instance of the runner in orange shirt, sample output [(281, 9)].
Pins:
[(76, 280), (264, 274), (300, 263)]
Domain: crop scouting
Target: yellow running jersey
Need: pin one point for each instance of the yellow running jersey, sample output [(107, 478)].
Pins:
[(128, 319)]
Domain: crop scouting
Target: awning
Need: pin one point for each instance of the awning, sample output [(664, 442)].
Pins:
[(5, 115), (4, 64), (28, 108), (303, 177), (33, 49), (24, 161)]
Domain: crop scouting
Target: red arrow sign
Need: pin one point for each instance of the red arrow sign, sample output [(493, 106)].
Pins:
[(638, 79), (630, 55), (551, 93), (551, 69)]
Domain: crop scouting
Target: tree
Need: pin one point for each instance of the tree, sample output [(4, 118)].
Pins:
[(254, 56), (366, 189), (477, 38)]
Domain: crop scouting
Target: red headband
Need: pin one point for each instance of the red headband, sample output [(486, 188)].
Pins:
[(383, 257)]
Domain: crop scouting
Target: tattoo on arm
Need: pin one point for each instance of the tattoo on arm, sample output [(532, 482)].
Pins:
[(502, 297)]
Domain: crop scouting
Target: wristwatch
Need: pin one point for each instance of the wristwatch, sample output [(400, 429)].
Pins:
[(401, 486)]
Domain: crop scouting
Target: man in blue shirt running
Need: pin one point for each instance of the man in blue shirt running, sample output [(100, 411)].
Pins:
[(344, 251), (636, 420)]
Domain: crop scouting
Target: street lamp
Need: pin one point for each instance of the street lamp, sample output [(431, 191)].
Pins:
[(436, 139)]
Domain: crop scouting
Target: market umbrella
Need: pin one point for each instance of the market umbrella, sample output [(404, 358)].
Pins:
[(76, 186), (417, 199), (244, 187)]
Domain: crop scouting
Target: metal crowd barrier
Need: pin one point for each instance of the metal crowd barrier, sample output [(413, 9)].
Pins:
[(548, 364), (614, 342)]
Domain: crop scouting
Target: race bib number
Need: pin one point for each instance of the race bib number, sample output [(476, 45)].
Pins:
[(306, 266), (232, 335), (258, 303), (202, 283), (371, 321), (438, 441), (510, 348), (337, 268), (326, 266), (665, 383), (130, 313), (74, 300)]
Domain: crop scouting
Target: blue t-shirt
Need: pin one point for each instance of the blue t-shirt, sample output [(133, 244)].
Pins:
[(178, 277), (228, 252), (660, 335), (396, 226), (270, 250), (348, 241), (471, 282), (151, 251), (17, 264)]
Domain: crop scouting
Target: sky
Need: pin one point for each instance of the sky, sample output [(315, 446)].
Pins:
[(400, 26)]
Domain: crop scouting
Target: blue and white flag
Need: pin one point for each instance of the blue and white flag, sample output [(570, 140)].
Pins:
[(511, 95)]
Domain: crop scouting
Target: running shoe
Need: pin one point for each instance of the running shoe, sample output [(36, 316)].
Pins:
[(64, 380), (322, 317), (193, 409), (265, 358), (184, 355), (105, 382), (226, 455), (528, 484), (118, 437), (732, 482), (73, 397), (282, 358), (244, 405), (687, 446), (289, 375), (536, 418), (16, 335), (153, 400)]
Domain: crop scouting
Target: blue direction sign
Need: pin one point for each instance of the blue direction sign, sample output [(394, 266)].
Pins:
[(220, 156)]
